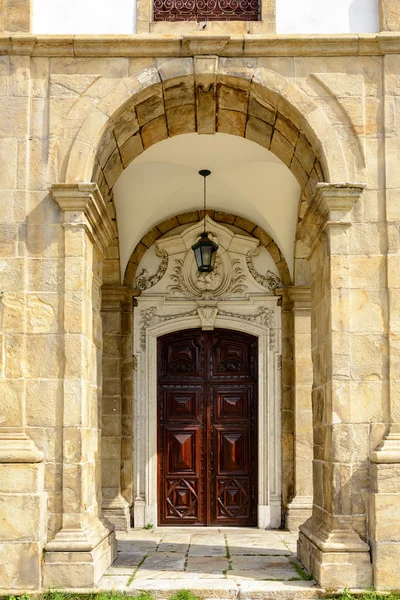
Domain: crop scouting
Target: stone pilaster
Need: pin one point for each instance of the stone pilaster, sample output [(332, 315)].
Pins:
[(389, 15), (300, 507), (384, 507), (329, 545), (84, 547), (115, 507)]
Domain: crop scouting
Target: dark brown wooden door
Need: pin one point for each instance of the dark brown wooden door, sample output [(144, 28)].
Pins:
[(207, 428)]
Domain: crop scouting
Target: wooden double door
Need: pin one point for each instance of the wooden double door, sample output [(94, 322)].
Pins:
[(207, 428)]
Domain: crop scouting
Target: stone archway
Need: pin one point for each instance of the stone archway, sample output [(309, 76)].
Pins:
[(241, 101)]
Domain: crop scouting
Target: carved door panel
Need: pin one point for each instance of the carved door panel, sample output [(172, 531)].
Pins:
[(207, 435)]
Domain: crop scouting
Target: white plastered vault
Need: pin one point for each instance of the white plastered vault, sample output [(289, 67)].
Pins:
[(238, 295)]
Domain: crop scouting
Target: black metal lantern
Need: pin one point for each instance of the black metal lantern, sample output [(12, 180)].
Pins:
[(205, 250)]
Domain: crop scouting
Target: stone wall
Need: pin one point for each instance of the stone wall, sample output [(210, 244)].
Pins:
[(68, 106)]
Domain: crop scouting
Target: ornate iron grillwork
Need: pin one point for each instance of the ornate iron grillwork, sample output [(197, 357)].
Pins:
[(206, 10)]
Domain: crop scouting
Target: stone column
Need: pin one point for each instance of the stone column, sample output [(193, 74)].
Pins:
[(330, 546), (300, 508), (115, 507), (389, 15), (15, 16), (84, 547)]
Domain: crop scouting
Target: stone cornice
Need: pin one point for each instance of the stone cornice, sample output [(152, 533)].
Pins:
[(300, 295), (142, 45), (330, 205), (112, 296), (17, 447), (86, 199)]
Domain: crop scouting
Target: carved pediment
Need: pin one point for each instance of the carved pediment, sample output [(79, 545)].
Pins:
[(235, 274)]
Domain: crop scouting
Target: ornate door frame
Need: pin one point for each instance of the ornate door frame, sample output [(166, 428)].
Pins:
[(156, 316)]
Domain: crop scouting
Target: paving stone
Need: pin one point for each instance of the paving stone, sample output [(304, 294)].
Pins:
[(163, 562), (207, 550), (177, 548), (209, 565), (125, 563), (249, 563), (139, 547), (282, 574)]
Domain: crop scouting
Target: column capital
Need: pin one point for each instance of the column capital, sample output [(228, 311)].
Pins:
[(83, 204), (331, 204), (112, 296), (300, 295)]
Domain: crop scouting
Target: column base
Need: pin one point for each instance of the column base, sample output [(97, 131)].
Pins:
[(79, 558), (116, 510), (337, 559), (298, 511), (144, 514)]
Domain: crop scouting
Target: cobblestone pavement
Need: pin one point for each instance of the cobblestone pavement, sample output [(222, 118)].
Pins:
[(215, 562)]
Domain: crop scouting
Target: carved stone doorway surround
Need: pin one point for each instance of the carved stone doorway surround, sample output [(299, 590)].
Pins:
[(156, 316)]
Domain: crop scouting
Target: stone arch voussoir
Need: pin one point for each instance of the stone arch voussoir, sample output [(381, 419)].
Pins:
[(176, 96)]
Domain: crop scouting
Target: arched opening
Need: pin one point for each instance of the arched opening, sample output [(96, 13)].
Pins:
[(246, 178), (257, 107)]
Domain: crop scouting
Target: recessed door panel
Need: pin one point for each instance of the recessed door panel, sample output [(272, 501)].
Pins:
[(207, 430)]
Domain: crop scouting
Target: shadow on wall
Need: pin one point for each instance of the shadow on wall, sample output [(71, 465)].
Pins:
[(364, 16)]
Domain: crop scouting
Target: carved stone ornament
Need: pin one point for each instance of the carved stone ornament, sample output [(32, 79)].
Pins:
[(227, 278), (207, 314), (144, 281), (234, 275), (269, 280), (149, 317), (265, 316)]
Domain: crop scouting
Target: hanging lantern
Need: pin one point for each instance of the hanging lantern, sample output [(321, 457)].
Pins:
[(205, 250)]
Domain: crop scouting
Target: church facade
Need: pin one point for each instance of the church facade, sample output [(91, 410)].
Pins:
[(136, 390)]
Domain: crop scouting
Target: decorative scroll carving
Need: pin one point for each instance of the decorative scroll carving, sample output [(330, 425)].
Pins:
[(206, 10), (264, 315), (149, 316), (144, 282), (226, 279), (135, 362), (269, 280)]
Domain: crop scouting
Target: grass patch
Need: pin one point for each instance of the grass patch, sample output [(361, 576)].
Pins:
[(184, 595), (132, 577), (301, 572), (148, 526), (367, 595)]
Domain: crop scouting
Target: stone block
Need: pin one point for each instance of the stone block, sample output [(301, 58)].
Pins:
[(389, 15), (21, 517), (386, 560), (20, 566)]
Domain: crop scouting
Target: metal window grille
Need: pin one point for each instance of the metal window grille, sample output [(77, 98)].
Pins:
[(206, 10)]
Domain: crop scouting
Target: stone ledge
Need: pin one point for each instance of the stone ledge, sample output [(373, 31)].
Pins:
[(18, 448), (145, 45)]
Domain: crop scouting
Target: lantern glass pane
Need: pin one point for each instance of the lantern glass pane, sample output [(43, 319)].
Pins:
[(206, 258)]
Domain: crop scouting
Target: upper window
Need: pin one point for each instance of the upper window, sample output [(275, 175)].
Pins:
[(206, 10)]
